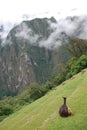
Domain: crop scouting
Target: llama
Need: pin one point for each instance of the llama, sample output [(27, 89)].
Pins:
[(64, 111)]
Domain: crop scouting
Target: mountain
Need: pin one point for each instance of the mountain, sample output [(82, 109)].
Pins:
[(43, 113), (24, 58)]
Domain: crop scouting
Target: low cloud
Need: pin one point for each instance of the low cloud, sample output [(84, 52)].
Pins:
[(61, 32), (24, 32), (65, 29)]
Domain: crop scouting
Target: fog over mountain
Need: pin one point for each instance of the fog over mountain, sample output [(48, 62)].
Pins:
[(62, 30)]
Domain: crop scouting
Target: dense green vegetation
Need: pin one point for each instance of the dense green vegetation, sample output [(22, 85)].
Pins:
[(10, 104), (77, 47), (73, 66), (43, 113)]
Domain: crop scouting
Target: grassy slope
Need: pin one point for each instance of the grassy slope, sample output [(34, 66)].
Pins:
[(43, 113)]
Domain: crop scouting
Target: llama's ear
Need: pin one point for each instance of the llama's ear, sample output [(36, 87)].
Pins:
[(64, 97)]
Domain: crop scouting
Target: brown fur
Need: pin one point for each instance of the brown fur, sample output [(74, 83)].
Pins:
[(63, 111), (70, 113)]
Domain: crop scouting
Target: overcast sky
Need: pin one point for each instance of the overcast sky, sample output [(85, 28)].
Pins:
[(13, 10)]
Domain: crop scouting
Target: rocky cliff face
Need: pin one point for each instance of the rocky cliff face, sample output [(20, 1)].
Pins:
[(23, 59)]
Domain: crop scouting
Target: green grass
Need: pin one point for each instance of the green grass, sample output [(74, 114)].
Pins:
[(43, 113)]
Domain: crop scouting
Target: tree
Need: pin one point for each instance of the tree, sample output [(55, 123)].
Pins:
[(35, 91), (6, 110), (77, 47), (76, 65)]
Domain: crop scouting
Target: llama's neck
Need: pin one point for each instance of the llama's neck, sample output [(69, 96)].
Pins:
[(64, 101)]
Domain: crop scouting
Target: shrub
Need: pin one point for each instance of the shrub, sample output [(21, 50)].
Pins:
[(35, 91), (5, 110)]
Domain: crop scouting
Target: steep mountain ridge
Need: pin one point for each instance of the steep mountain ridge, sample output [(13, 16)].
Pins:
[(22, 60)]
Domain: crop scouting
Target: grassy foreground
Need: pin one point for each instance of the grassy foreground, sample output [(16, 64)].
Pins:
[(43, 113)]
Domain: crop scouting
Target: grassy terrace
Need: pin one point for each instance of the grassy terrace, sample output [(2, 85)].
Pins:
[(43, 113)]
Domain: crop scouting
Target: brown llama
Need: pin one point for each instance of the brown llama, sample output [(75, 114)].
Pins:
[(64, 111)]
